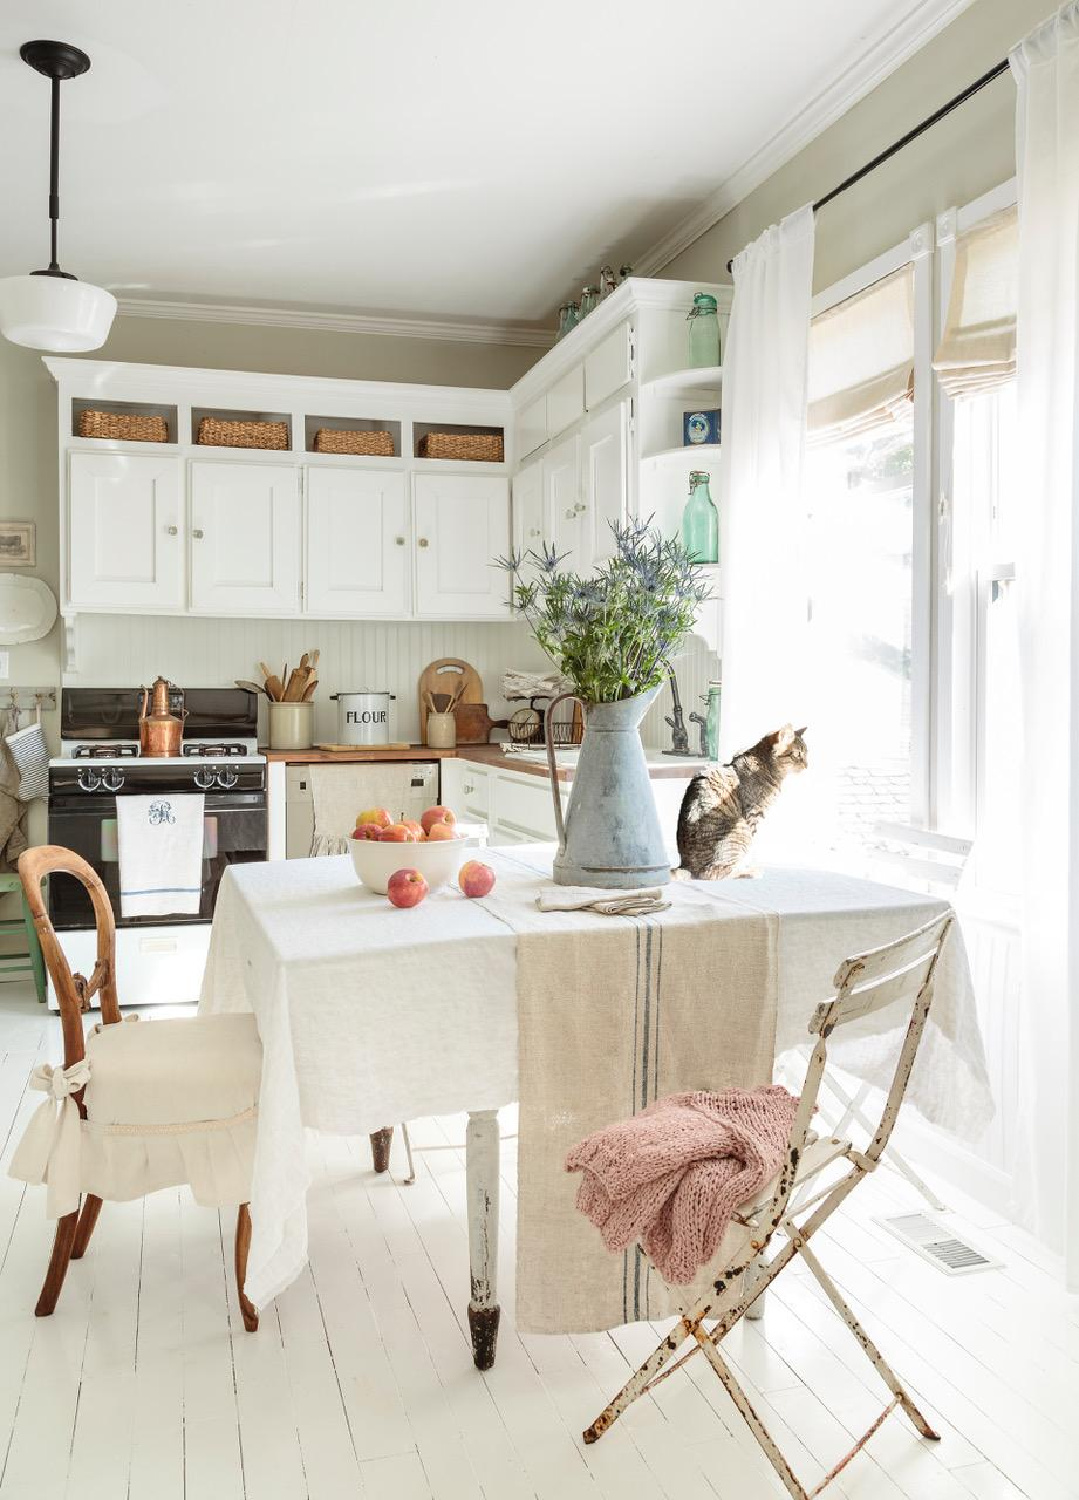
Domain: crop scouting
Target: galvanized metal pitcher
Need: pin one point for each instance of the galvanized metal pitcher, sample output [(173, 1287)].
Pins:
[(609, 834)]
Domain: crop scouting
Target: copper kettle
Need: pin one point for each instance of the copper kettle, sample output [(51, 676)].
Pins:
[(160, 731)]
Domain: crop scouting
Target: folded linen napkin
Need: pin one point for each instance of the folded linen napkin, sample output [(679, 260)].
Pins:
[(608, 903), (673, 1175), (160, 845)]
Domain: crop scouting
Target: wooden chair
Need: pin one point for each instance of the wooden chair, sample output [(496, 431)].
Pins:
[(138, 1105), (13, 963), (901, 973)]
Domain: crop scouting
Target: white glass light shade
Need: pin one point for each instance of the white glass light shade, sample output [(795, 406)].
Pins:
[(56, 314)]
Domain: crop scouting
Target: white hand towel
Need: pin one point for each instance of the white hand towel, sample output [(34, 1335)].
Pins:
[(607, 903), (160, 843)]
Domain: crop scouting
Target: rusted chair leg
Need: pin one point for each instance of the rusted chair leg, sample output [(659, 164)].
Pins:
[(58, 1263), (243, 1245), (380, 1148), (87, 1219)]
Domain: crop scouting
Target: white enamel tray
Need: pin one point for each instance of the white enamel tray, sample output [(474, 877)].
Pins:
[(27, 609)]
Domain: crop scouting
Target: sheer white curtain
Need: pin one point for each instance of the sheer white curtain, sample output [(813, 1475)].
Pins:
[(1046, 68), (764, 425)]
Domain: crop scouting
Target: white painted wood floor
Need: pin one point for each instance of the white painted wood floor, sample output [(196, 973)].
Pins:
[(360, 1380)]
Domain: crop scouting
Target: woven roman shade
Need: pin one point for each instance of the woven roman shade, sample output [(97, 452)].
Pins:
[(977, 349), (861, 360)]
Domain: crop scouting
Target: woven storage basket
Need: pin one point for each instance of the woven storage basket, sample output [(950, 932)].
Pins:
[(130, 426), (214, 433), (480, 447), (370, 444)]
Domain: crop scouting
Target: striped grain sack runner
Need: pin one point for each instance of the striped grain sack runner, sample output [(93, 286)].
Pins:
[(614, 1013)]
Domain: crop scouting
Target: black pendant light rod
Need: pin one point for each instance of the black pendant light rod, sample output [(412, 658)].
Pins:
[(57, 61), (912, 135)]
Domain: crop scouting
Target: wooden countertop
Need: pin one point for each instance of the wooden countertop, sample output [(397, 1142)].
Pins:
[(357, 753), (659, 766)]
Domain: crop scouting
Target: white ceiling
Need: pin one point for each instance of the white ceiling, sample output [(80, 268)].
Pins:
[(470, 160)]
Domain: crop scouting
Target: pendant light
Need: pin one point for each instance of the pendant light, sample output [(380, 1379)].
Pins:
[(50, 309)]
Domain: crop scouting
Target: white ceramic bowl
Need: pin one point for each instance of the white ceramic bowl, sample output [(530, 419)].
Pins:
[(438, 862)]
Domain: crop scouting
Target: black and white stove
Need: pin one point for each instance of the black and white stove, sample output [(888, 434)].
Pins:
[(159, 959)]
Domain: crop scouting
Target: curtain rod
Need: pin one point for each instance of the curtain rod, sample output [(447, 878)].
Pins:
[(911, 135)]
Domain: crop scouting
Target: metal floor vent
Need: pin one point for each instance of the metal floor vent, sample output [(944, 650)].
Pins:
[(934, 1243)]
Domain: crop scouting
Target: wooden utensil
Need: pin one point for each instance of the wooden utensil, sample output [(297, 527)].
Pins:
[(274, 688), (309, 690), (443, 675), (252, 687), (474, 723)]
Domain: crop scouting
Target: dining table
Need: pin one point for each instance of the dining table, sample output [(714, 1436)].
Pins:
[(371, 1014)]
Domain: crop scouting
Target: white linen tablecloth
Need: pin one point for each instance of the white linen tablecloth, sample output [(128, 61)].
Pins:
[(369, 1014)]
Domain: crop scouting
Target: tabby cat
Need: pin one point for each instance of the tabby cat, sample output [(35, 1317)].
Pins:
[(723, 807)]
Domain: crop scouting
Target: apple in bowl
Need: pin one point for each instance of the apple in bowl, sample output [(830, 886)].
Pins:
[(437, 814)]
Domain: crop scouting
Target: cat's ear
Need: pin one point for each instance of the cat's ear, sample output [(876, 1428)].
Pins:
[(784, 737), (799, 733)]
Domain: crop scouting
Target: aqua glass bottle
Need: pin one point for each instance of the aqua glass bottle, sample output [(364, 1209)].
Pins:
[(711, 720), (703, 332), (700, 521)]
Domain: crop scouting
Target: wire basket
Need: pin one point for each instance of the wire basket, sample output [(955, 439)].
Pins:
[(532, 726)]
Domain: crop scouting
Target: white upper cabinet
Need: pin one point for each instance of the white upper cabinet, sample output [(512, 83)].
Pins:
[(565, 401), (608, 367), (531, 426), (529, 532), (125, 540), (358, 553), (563, 506), (604, 481), (245, 538), (462, 526)]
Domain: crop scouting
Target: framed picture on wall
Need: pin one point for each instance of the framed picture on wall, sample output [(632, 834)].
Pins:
[(18, 544)]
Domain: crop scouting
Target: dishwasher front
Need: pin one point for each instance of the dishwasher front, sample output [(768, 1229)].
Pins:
[(405, 788)]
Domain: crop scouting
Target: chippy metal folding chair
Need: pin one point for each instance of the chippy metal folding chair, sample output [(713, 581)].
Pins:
[(893, 975)]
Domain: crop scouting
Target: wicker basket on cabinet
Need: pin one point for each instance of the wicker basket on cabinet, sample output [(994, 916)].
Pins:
[(214, 432), (123, 426), (378, 444), (477, 447)]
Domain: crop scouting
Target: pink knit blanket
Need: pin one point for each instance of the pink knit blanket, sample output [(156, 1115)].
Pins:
[(672, 1176)]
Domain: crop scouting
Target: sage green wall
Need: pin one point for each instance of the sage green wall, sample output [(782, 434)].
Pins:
[(963, 156)]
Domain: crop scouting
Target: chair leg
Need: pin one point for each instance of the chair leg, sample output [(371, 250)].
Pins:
[(752, 1420), (639, 1382), (37, 962), (243, 1245), (873, 1354), (411, 1178), (87, 1219), (58, 1264), (380, 1148)]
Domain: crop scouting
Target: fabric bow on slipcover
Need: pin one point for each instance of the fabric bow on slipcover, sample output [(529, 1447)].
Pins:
[(50, 1150)]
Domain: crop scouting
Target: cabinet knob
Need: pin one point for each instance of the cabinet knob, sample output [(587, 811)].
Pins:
[(571, 515), (399, 540), (535, 531), (197, 534), (423, 542), (171, 530), (580, 505)]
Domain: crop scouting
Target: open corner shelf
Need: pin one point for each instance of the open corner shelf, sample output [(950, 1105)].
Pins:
[(686, 382), (698, 451)]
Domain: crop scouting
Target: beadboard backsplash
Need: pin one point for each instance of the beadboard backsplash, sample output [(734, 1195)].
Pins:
[(356, 655)]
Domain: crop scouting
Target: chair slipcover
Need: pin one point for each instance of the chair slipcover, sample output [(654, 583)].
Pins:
[(168, 1103)]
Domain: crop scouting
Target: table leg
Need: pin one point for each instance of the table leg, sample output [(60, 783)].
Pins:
[(380, 1148), (481, 1177)]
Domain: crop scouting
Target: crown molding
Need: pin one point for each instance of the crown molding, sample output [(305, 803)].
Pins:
[(904, 39), (462, 331)]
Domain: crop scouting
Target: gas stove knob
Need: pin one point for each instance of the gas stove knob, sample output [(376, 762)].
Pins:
[(204, 778), (227, 778), (112, 780), (89, 781)]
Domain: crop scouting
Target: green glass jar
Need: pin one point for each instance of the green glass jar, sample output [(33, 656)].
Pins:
[(700, 521), (567, 318), (703, 332), (711, 720), (589, 301)]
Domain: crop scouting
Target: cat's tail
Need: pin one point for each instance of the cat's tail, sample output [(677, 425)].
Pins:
[(679, 872)]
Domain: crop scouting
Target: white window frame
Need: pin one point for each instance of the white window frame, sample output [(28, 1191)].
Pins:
[(916, 250)]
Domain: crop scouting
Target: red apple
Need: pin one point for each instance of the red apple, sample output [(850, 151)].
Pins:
[(406, 888), (380, 817), (475, 878), (366, 831), (415, 829), (396, 833), (438, 831), (437, 815)]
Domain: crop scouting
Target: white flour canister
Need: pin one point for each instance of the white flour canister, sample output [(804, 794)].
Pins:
[(363, 718)]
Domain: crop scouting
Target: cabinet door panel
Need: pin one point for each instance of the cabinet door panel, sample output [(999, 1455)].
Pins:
[(531, 426), (529, 533), (357, 542), (125, 531), (609, 366), (462, 526), (603, 485), (565, 401), (248, 555), (563, 507)]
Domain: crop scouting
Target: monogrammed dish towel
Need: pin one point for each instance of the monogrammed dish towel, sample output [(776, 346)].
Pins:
[(160, 841)]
